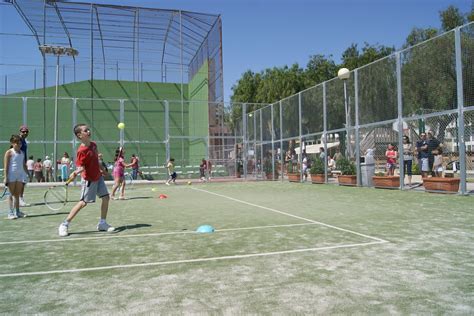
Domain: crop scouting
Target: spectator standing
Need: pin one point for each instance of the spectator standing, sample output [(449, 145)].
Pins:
[(407, 158), (294, 160), (202, 170), (305, 162), (322, 155), (48, 169), (65, 165), (134, 164), (209, 169), (422, 154), (391, 155), (24, 132), (438, 162), (38, 169), (30, 163), (433, 144)]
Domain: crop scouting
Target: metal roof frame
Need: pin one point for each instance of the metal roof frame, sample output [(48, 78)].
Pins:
[(157, 31)]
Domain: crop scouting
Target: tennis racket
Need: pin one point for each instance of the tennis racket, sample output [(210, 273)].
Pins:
[(56, 197), (4, 194)]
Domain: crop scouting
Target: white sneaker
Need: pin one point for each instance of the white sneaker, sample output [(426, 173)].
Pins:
[(104, 227), (63, 230), (23, 203), (12, 216), (167, 183), (20, 214)]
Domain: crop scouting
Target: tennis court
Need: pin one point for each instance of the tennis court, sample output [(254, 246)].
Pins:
[(278, 247)]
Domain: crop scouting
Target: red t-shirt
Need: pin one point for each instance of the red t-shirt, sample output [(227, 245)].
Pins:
[(88, 157)]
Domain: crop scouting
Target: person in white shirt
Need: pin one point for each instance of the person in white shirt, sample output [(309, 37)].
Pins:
[(31, 169), (65, 164), (331, 163), (48, 170)]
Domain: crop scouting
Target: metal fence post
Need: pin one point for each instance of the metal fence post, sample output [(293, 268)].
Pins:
[(281, 141), (400, 118), (74, 122), (122, 119), (325, 127), (300, 131), (273, 144), (167, 130), (244, 142), (356, 130), (25, 110), (261, 144), (460, 99)]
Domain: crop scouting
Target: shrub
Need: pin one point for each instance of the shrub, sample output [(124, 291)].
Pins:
[(317, 167), (291, 167), (267, 167), (346, 166)]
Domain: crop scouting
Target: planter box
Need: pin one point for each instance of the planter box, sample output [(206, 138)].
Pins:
[(386, 181), (269, 176), (317, 178), (294, 177), (441, 184), (347, 180)]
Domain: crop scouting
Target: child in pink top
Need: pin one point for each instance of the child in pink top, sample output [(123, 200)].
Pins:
[(119, 173), (391, 155)]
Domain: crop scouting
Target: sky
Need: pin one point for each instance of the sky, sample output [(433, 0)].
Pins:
[(260, 34)]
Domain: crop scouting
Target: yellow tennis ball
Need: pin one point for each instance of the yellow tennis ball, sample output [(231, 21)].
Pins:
[(121, 125), (189, 182), (154, 189)]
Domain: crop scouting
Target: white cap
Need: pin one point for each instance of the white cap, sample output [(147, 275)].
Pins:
[(47, 157)]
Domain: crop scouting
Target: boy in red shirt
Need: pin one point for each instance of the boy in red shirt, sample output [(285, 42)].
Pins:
[(93, 183)]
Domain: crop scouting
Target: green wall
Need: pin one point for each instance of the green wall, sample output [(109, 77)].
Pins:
[(144, 118), (199, 114)]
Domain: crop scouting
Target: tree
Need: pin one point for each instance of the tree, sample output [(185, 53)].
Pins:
[(352, 58), (319, 69), (279, 83), (418, 35), (451, 18), (246, 88)]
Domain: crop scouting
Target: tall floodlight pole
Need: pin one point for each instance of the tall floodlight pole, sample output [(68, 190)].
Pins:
[(344, 74), (57, 51)]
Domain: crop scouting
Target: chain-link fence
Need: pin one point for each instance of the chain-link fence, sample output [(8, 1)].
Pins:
[(154, 130), (428, 87)]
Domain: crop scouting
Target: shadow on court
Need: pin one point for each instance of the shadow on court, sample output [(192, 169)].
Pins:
[(47, 214), (117, 230), (128, 227), (138, 198)]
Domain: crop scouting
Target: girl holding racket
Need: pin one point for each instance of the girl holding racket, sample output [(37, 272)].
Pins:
[(119, 173), (16, 175)]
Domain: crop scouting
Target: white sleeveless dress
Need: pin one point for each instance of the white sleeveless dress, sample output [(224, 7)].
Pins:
[(16, 172)]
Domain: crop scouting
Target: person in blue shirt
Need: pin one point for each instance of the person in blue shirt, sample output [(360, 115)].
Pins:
[(24, 131)]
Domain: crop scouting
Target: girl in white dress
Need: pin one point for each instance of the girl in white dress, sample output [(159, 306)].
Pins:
[(16, 174)]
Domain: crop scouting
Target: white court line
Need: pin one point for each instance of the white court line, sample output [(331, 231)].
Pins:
[(62, 239), (291, 215), (162, 263)]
